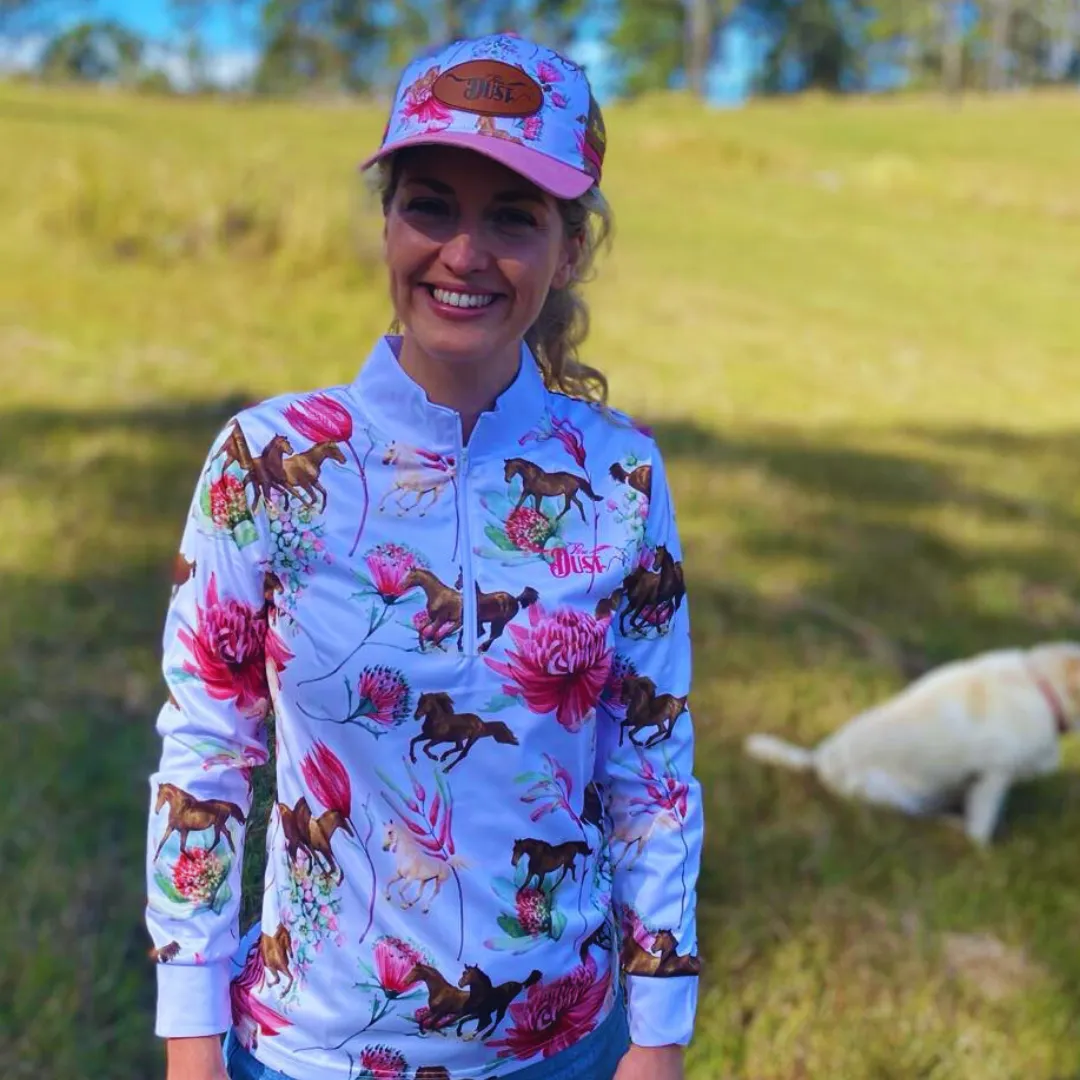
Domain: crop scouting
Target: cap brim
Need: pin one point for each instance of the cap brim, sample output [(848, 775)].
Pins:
[(558, 179)]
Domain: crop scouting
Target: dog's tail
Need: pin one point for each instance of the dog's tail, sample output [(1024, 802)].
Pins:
[(780, 752)]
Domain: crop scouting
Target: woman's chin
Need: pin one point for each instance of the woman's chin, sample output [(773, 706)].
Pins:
[(461, 344)]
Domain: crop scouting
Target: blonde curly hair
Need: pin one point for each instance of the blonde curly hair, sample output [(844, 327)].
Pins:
[(563, 323)]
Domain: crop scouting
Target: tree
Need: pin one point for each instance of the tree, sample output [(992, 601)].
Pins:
[(330, 44), (93, 52), (649, 38), (815, 44)]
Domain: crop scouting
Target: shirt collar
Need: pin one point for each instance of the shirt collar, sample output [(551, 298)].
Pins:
[(399, 406)]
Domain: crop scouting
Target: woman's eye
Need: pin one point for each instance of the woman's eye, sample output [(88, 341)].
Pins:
[(427, 206), (515, 218)]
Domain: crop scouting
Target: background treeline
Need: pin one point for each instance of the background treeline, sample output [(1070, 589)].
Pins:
[(356, 47)]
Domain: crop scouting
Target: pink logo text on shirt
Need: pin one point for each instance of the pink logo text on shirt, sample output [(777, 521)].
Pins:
[(575, 558)]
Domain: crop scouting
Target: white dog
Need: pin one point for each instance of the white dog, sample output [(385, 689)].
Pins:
[(964, 732)]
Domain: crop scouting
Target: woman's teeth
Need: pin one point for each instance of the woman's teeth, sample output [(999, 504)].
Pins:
[(463, 300)]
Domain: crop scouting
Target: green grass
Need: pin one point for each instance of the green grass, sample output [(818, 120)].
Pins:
[(854, 327)]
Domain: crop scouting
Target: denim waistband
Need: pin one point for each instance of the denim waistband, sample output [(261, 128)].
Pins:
[(594, 1057)]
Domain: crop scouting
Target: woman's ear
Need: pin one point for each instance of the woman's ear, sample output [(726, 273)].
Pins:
[(569, 255)]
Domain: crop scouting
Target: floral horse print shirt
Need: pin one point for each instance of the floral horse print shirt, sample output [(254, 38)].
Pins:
[(477, 659)]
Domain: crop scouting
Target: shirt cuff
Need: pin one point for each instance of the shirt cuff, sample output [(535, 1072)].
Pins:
[(661, 1010), (193, 1000)]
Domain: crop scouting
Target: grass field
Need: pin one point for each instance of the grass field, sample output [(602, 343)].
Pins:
[(855, 329)]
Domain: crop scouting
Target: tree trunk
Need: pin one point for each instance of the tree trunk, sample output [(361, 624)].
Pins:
[(952, 48), (698, 49), (996, 75), (452, 20)]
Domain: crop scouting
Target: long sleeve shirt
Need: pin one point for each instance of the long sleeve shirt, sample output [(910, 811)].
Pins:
[(477, 659)]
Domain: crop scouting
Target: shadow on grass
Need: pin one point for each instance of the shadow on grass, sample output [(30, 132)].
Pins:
[(80, 686)]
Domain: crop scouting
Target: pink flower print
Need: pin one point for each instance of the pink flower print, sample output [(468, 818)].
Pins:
[(394, 962), (327, 778), (533, 909), (382, 1063), (547, 73), (560, 665), (228, 652), (571, 438), (228, 504), (423, 107), (198, 874), (666, 794), (533, 127), (527, 529), (251, 1017), (388, 565), (320, 418), (384, 695), (555, 1015)]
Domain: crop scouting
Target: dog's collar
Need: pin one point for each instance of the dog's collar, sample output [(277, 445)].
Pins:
[(1054, 701)]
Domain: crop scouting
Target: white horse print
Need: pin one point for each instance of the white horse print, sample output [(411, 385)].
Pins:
[(415, 866), (636, 830), (420, 473)]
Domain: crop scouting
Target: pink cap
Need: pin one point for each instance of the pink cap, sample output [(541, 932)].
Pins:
[(524, 105)]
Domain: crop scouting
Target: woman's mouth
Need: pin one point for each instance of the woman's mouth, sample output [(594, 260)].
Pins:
[(461, 301)]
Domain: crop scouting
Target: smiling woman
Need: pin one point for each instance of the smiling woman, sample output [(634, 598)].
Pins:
[(465, 729)]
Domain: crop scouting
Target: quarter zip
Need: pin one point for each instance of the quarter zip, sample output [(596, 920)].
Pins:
[(468, 582)]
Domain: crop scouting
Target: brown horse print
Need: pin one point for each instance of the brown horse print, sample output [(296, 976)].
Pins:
[(636, 961), (639, 478), (446, 1003), (188, 814), (165, 953), (271, 586), (299, 475), (182, 571), (444, 607), (498, 609), (592, 811), (443, 725), (539, 485), (487, 1004), (647, 709), (600, 938), (606, 606), (312, 835), (544, 858), (660, 590), (276, 950), (256, 469)]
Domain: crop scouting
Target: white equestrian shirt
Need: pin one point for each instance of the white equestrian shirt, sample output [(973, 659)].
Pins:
[(477, 658)]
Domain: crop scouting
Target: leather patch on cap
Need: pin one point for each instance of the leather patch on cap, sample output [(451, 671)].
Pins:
[(490, 88)]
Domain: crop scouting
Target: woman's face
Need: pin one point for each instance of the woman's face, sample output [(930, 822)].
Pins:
[(472, 249)]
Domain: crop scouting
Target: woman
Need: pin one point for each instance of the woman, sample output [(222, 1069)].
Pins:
[(456, 582)]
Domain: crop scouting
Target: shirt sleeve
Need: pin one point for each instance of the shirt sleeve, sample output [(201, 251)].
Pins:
[(645, 758), (215, 654)]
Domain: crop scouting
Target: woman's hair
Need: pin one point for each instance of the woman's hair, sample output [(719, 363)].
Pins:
[(563, 322)]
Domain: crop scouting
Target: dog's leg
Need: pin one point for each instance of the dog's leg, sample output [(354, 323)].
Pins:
[(983, 803)]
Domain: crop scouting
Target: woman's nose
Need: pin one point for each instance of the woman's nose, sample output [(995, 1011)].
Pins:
[(465, 252)]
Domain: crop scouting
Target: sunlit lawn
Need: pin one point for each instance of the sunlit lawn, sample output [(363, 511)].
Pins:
[(855, 330)]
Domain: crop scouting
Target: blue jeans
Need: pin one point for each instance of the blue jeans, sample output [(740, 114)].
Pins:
[(595, 1057)]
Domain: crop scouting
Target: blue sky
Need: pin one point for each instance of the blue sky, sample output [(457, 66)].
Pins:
[(151, 18)]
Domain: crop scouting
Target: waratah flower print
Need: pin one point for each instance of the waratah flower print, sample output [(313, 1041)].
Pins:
[(227, 651), (555, 1015), (559, 664)]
